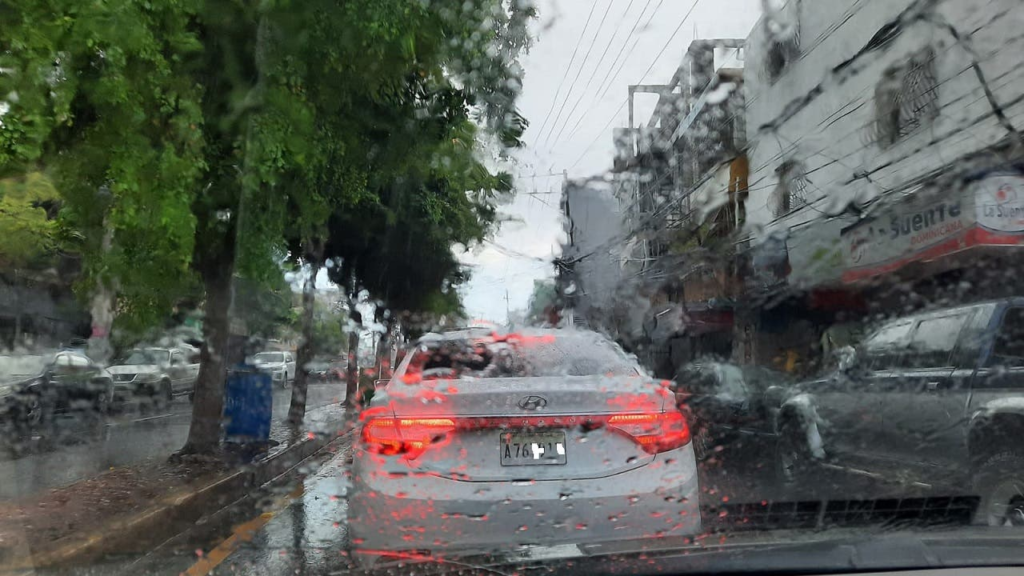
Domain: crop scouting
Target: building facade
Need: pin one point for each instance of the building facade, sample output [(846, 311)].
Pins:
[(880, 138)]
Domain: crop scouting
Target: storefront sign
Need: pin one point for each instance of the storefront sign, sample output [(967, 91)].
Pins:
[(999, 203), (929, 225)]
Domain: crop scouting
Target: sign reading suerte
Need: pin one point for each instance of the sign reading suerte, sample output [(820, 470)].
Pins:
[(926, 226)]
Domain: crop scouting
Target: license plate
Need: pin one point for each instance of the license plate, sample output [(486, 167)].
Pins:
[(532, 448)]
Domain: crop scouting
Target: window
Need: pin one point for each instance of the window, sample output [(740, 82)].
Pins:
[(783, 31), (934, 340), (269, 358), (791, 192), (883, 349), (1008, 349), (177, 358), (906, 98)]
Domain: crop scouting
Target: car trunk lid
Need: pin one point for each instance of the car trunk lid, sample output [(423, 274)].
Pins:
[(522, 429)]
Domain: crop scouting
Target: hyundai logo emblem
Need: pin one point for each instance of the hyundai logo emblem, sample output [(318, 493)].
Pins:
[(533, 402)]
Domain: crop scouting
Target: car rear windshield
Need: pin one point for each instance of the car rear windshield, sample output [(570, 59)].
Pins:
[(518, 355)]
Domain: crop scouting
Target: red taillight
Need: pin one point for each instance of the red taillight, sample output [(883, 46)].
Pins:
[(385, 434), (653, 431), (389, 435)]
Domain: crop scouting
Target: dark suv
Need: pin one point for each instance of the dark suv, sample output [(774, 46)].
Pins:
[(936, 398)]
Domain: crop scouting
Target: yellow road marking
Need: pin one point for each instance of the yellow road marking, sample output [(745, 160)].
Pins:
[(241, 534)]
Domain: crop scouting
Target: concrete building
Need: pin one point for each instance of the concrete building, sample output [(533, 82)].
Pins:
[(592, 269), (652, 230), (884, 143)]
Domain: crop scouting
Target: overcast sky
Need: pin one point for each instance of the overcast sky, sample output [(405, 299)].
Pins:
[(580, 138)]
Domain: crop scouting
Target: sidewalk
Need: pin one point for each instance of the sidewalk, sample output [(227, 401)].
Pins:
[(98, 514)]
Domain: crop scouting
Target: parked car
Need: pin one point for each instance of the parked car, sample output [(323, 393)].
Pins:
[(36, 388), (280, 365), (477, 443), (733, 412), (325, 370), (158, 373), (937, 396)]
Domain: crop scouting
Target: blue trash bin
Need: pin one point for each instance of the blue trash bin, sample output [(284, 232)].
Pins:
[(248, 404)]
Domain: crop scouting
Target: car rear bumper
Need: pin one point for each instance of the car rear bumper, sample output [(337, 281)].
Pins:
[(442, 516)]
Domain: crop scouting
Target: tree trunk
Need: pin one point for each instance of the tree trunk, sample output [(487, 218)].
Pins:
[(304, 355), (101, 307), (352, 371), (215, 358), (384, 367)]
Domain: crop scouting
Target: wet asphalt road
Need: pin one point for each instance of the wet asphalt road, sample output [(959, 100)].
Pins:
[(300, 526), (82, 450)]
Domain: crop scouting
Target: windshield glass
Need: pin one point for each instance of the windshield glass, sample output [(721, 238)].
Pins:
[(268, 358), (147, 356), (511, 286)]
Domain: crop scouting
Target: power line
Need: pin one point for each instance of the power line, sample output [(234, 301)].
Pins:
[(670, 39), (594, 141), (631, 49), (605, 81), (610, 83), (593, 74), (628, 36), (642, 78), (580, 71), (567, 68)]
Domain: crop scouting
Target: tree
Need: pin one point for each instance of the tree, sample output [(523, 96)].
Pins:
[(542, 300), (329, 339), (98, 95), (265, 307), (28, 225), (194, 142)]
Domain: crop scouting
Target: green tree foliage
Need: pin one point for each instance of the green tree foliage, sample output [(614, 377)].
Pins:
[(329, 337), (28, 225), (266, 307), (205, 139), (544, 296), (97, 92)]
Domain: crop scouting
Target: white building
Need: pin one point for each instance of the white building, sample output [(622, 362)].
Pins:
[(860, 99)]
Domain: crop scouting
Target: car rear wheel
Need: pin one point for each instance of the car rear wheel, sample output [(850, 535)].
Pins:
[(793, 458), (161, 395), (1000, 484), (104, 403), (34, 411)]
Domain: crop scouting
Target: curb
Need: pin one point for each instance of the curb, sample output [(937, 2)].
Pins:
[(175, 511)]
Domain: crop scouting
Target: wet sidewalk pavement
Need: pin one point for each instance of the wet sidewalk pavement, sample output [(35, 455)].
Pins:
[(130, 439), (297, 526), (301, 531), (33, 524)]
